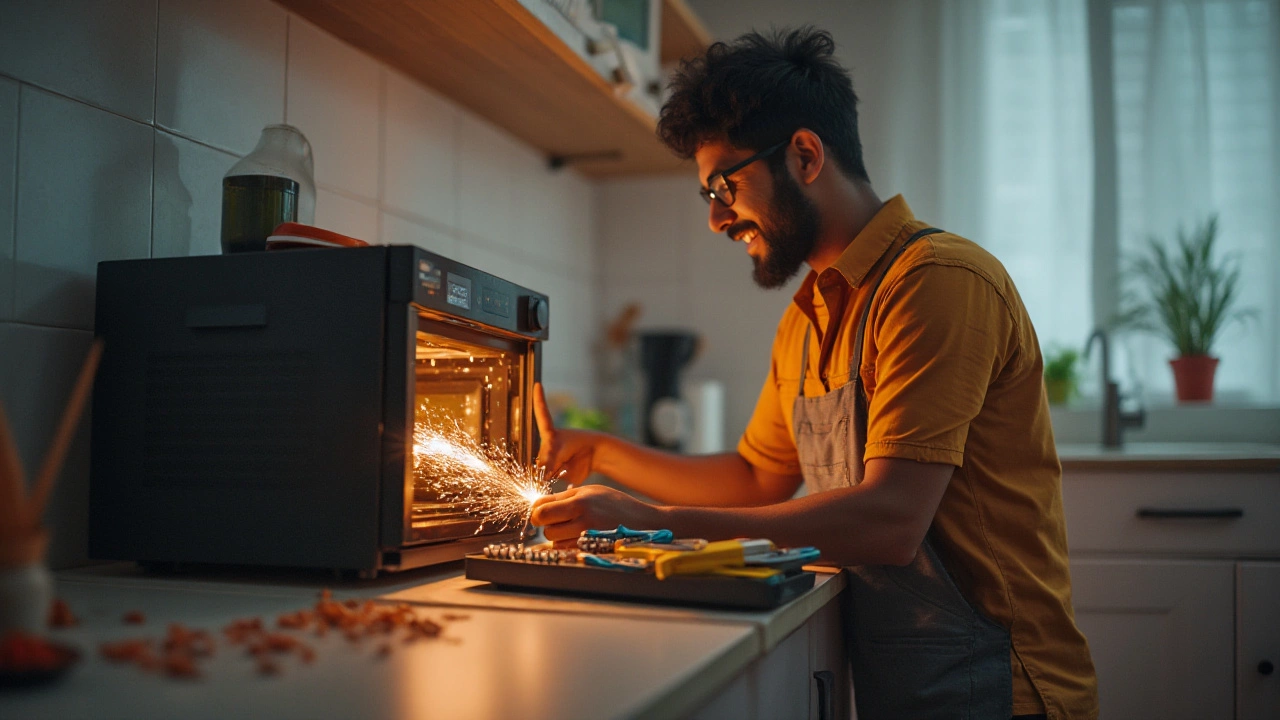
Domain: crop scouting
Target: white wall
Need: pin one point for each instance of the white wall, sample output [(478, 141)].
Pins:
[(118, 120), (656, 248)]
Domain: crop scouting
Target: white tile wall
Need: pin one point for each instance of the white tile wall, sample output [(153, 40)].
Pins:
[(84, 195), (347, 215), (397, 230), (395, 163), (8, 181), (656, 250), (485, 180), (103, 53), (38, 367), (421, 152), (334, 98), (186, 215), (213, 51)]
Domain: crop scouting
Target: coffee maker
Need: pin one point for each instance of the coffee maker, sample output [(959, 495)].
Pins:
[(663, 355)]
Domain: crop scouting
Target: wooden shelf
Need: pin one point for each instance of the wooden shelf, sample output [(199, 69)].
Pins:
[(682, 32), (498, 60)]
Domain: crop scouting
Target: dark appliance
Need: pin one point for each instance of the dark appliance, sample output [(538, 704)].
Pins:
[(662, 356), (259, 408)]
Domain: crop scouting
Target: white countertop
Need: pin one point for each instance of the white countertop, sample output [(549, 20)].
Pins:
[(1172, 456), (516, 655)]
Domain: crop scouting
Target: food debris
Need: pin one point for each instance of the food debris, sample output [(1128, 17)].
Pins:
[(23, 652), (60, 615), (178, 652), (133, 617)]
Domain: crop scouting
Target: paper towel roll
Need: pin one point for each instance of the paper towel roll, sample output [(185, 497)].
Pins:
[(705, 399)]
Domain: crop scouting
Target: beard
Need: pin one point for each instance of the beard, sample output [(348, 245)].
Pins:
[(789, 232)]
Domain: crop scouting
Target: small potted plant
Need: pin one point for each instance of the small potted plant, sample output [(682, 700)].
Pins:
[(1060, 375), (1187, 298)]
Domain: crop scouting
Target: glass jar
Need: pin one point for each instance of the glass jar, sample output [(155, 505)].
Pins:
[(271, 185)]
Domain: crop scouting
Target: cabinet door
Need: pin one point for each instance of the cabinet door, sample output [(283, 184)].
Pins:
[(1258, 641), (1161, 634), (831, 691)]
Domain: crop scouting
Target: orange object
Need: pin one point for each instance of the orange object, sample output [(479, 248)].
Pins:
[(60, 615), (133, 617), (291, 235), (1193, 377)]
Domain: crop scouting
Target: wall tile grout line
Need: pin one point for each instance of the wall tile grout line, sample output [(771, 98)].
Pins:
[(155, 125), (46, 326), (382, 152), (13, 241), (288, 33)]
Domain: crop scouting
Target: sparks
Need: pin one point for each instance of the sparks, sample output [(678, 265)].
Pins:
[(484, 480)]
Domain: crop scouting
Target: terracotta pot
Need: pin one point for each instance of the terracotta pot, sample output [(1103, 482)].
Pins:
[(1193, 377)]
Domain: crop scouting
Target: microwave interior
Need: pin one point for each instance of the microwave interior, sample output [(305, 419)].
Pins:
[(471, 384)]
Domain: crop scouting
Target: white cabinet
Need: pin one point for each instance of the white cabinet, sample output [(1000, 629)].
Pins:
[(804, 677), (1175, 584), (1258, 641), (1161, 635)]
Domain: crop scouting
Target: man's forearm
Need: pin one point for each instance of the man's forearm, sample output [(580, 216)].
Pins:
[(851, 526), (725, 479)]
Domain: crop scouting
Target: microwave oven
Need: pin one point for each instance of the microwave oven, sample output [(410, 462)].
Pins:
[(259, 408)]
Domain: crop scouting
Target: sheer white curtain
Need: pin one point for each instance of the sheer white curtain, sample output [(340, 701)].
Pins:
[(1197, 93), (1196, 89), (1017, 141)]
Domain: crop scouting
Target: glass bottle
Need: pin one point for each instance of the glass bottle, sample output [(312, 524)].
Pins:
[(271, 185)]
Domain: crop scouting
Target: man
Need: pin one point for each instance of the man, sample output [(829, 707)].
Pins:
[(905, 391)]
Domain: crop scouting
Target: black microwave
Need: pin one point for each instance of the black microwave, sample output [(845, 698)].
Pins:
[(259, 408)]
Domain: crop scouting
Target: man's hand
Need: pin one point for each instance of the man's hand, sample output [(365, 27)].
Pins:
[(562, 451), (565, 515)]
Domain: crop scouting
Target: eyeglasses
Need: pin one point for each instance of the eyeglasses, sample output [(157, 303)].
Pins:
[(719, 187)]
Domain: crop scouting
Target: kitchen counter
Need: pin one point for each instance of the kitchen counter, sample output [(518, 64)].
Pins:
[(514, 654), (1167, 456)]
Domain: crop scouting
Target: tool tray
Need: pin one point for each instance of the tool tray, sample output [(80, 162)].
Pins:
[(712, 590)]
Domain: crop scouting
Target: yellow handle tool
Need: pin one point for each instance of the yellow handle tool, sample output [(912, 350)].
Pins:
[(722, 554)]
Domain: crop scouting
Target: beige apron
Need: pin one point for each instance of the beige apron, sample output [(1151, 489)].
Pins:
[(919, 649)]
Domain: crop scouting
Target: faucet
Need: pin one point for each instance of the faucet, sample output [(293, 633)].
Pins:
[(1114, 420)]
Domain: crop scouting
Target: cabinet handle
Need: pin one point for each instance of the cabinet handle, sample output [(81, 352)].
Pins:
[(826, 681), (1266, 668), (1191, 514)]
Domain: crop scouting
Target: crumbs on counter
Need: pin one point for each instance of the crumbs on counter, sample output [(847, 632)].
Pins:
[(175, 655), (22, 652), (60, 615), (178, 654)]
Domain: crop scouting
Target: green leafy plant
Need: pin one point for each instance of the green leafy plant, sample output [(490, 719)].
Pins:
[(1187, 295), (1060, 375), (585, 419), (1061, 365)]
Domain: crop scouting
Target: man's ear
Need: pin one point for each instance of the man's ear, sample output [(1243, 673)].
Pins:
[(809, 155)]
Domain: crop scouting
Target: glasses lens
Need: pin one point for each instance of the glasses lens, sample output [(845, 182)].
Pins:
[(706, 194), (720, 189)]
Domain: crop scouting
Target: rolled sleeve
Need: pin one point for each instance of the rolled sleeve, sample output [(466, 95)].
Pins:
[(941, 337)]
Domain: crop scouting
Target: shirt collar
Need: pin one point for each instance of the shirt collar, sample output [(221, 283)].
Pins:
[(874, 240), (868, 246)]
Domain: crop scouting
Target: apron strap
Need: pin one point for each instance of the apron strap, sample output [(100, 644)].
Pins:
[(855, 366), (804, 357)]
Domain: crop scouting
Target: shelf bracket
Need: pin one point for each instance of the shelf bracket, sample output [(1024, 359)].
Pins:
[(555, 162)]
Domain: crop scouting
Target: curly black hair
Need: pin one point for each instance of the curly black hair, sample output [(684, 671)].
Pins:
[(757, 90)]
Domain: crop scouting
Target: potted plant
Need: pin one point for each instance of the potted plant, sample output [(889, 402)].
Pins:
[(1187, 298), (1060, 375)]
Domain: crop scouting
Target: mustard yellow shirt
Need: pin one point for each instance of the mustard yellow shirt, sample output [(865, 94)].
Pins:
[(953, 374)]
